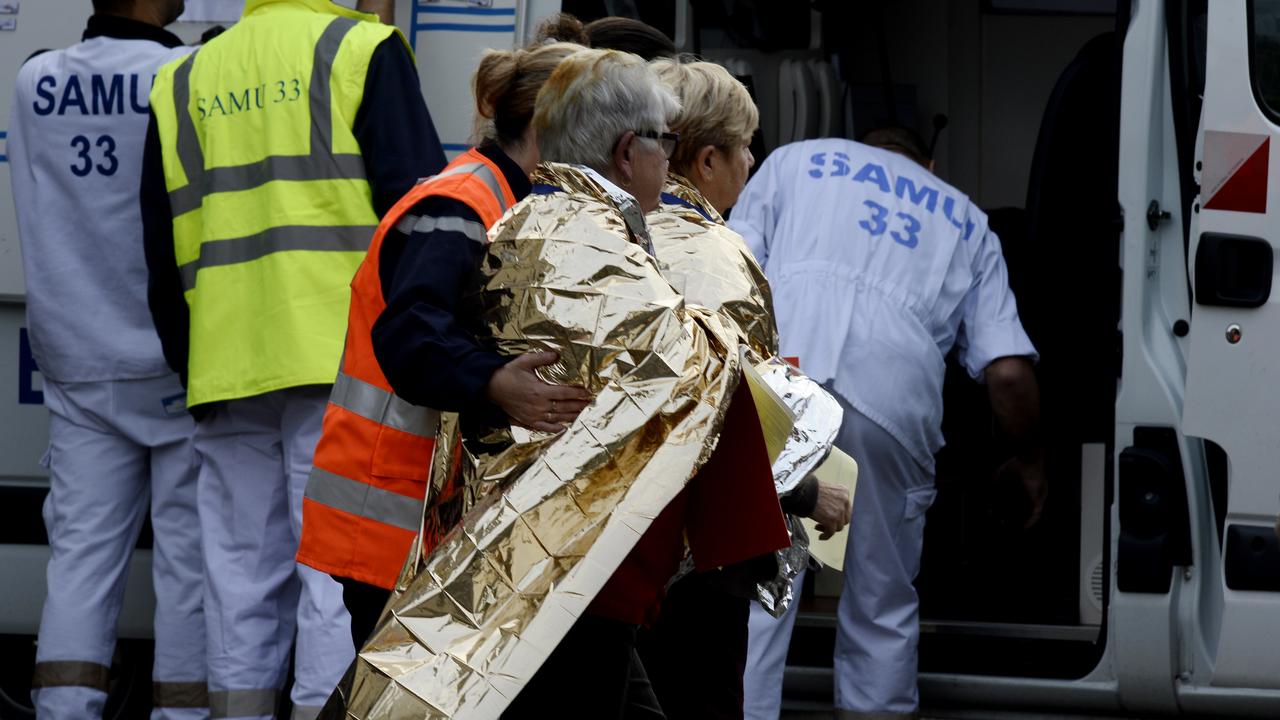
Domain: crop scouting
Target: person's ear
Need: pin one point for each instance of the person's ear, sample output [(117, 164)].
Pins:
[(706, 163), (624, 156)]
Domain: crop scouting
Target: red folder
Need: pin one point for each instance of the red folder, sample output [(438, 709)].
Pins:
[(733, 512)]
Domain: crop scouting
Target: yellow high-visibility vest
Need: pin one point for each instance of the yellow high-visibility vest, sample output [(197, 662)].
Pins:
[(272, 212)]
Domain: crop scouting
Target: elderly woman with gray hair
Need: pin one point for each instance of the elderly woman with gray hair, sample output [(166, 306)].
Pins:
[(566, 542)]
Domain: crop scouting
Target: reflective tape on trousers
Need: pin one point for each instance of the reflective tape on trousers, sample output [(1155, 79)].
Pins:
[(241, 703), (364, 500), (64, 673), (305, 712), (179, 694)]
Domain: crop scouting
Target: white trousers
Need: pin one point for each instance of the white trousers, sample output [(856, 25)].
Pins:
[(767, 642), (878, 626), (256, 455), (117, 449)]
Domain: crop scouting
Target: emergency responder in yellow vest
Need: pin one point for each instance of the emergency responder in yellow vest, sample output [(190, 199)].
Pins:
[(273, 150)]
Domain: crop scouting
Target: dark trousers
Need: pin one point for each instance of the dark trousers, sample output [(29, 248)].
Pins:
[(365, 603), (697, 650), (593, 674)]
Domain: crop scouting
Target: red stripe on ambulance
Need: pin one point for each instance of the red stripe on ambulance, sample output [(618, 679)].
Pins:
[(1235, 171)]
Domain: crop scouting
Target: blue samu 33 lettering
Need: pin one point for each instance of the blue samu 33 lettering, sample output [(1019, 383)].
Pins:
[(922, 196), (106, 94)]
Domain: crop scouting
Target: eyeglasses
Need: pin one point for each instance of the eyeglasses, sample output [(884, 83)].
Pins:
[(668, 140)]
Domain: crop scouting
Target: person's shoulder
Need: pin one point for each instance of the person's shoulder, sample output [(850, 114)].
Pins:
[(36, 66), (796, 150), (809, 148), (380, 33), (829, 144), (820, 156), (920, 179), (441, 206), (39, 61), (169, 55)]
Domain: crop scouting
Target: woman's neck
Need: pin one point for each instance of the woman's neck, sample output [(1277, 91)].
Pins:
[(524, 154)]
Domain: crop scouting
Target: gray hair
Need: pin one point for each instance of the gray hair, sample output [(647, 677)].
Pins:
[(592, 98)]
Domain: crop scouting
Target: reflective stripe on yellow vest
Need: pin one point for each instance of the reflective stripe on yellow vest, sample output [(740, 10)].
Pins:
[(272, 211)]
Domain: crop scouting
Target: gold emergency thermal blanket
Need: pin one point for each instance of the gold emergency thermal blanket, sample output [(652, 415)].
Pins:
[(552, 516), (712, 266)]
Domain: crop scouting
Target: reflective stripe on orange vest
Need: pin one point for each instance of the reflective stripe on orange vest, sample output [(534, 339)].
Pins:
[(364, 499), (385, 408)]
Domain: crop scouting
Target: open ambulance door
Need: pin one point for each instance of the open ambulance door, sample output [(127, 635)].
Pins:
[(1232, 396)]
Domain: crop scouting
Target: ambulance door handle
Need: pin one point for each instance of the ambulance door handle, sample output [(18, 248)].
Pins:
[(1155, 215), (1233, 270)]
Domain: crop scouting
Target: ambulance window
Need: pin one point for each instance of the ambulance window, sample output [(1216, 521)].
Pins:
[(1265, 60)]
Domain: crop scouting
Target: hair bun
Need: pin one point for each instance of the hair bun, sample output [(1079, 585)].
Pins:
[(561, 27)]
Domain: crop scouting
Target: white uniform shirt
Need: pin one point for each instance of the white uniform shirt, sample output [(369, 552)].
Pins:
[(878, 268), (79, 119)]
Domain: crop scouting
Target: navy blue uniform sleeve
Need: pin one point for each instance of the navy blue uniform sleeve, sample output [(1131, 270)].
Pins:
[(428, 356), (802, 500), (397, 138), (164, 284)]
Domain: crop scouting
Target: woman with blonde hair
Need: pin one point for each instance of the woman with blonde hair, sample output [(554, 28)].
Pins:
[(409, 355), (698, 648)]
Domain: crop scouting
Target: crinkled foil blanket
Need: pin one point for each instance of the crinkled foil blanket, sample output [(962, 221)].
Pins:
[(711, 266), (473, 620)]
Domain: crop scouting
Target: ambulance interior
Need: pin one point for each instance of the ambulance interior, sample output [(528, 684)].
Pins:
[(1024, 98)]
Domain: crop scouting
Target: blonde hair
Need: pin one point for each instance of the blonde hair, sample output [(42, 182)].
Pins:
[(591, 99), (716, 109), (506, 86)]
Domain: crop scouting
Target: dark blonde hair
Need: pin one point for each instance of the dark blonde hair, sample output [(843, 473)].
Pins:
[(715, 109), (506, 86)]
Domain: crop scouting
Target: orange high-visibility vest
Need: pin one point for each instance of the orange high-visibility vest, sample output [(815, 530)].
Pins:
[(364, 500)]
